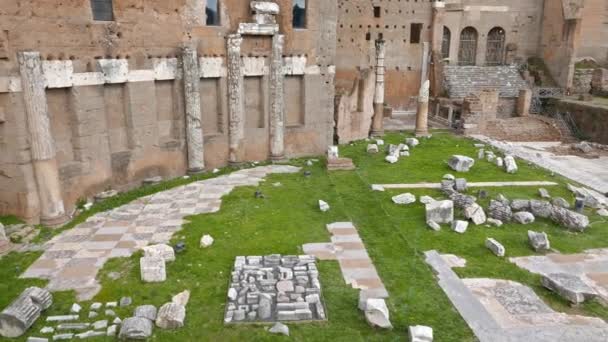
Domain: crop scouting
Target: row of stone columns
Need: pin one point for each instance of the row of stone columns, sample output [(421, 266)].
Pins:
[(378, 118)]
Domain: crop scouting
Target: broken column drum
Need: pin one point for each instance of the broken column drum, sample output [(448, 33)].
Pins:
[(236, 103), (422, 128), (194, 127), (42, 145), (377, 121), (24, 311)]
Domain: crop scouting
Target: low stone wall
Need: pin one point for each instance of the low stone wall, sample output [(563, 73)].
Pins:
[(591, 119), (581, 83), (354, 109)]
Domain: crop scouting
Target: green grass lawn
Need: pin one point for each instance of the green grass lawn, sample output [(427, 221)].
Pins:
[(288, 216)]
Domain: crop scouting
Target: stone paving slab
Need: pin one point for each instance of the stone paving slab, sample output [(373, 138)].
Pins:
[(502, 310), (347, 247), (72, 259), (471, 185), (590, 266)]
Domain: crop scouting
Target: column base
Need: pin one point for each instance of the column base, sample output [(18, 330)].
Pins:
[(376, 133), (237, 164), (422, 134), (195, 171), (54, 222), (278, 159)]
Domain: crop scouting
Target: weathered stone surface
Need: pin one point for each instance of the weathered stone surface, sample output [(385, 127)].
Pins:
[(591, 198), (462, 200), (426, 199), (181, 298), (112, 330), (125, 301), (152, 270), (499, 162), (520, 204), (568, 286), (171, 316), (279, 328), (560, 202), (206, 241), (75, 308), (449, 176), (100, 325), (163, 251), (73, 326), (541, 208), (372, 148), (433, 225), (460, 226), (461, 163), (570, 219), (391, 159), (602, 212), (544, 193), (136, 328), (420, 333), (481, 154), (523, 217), (60, 337), (510, 164), (22, 313), (37, 339), (475, 213), (440, 211), (146, 311), (539, 241), (376, 313), (406, 198), (460, 184), (496, 247), (323, 206), (494, 222), (62, 318), (500, 211), (412, 142)]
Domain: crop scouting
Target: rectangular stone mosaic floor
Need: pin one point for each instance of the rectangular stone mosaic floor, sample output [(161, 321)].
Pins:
[(274, 288)]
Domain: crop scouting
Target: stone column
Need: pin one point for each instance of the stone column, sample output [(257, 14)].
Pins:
[(422, 127), (523, 102), (192, 100), (236, 104), (436, 67), (424, 69), (42, 145), (377, 121), (277, 105)]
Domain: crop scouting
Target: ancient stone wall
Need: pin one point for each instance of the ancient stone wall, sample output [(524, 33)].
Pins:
[(594, 30), (118, 92), (355, 108), (590, 119), (581, 84)]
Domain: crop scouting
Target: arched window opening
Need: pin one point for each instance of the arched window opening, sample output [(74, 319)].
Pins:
[(467, 52), (445, 43), (495, 53)]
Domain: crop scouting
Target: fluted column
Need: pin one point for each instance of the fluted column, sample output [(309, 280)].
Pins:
[(42, 145), (192, 96), (377, 121), (422, 127), (277, 105), (236, 104)]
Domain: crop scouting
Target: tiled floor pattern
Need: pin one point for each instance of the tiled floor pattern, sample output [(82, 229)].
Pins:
[(73, 258), (347, 248)]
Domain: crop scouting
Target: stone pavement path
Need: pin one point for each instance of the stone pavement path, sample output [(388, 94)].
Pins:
[(502, 310), (357, 267), (73, 258), (591, 267)]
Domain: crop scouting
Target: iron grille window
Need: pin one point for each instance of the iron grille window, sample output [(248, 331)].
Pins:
[(445, 44), (102, 10), (495, 47), (299, 14), (467, 52), (213, 13)]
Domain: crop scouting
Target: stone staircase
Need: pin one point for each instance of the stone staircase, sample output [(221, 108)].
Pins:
[(461, 81)]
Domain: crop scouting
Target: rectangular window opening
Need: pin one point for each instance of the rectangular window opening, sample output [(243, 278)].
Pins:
[(377, 12), (415, 32), (102, 10), (212, 11), (299, 14)]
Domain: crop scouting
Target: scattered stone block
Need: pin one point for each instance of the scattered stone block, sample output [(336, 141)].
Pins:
[(570, 219), (146, 311), (440, 211), (406, 198), (112, 330), (75, 308), (523, 217), (510, 164), (479, 145), (433, 225), (481, 153), (137, 328), (171, 316), (110, 313), (163, 251), (494, 222), (73, 326), (500, 211), (520, 204), (323, 206), (377, 187), (449, 176), (379, 142), (568, 286), (152, 270), (391, 159), (412, 142), (539, 241), (460, 226), (426, 199), (461, 163), (372, 148), (61, 337), (279, 328), (100, 325), (206, 241), (475, 213), (62, 318), (460, 184), (544, 193), (90, 333), (499, 162), (420, 333), (181, 298), (47, 330), (125, 301), (496, 247), (96, 306), (332, 152), (337, 164), (37, 339), (541, 208), (404, 153), (23, 312), (117, 321), (462, 200), (376, 313), (602, 212)]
